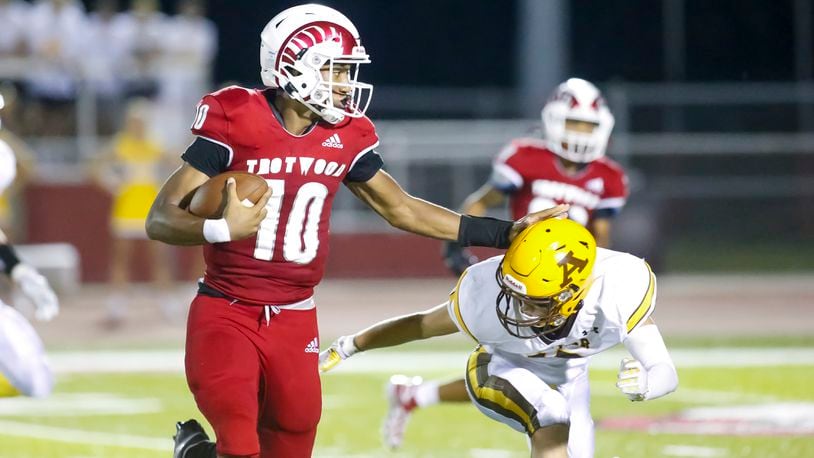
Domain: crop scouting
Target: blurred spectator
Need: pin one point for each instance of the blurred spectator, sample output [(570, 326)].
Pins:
[(12, 34), (54, 33), (189, 47), (104, 62), (131, 170), (142, 28)]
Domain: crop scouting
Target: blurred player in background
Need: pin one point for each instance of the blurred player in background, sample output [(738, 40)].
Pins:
[(537, 314), (568, 166), (23, 367), (131, 169), (11, 208), (252, 338)]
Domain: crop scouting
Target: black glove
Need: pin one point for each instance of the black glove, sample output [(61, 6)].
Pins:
[(457, 258)]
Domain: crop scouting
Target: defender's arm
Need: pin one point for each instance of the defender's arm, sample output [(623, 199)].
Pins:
[(652, 373), (480, 201), (601, 229), (389, 333)]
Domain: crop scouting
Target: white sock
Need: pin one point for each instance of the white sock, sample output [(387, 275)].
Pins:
[(426, 394)]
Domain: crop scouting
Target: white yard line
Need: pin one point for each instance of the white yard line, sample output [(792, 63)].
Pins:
[(79, 436), (78, 405), (427, 361)]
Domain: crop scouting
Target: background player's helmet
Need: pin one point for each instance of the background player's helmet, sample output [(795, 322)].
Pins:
[(544, 276), (578, 100), (297, 43)]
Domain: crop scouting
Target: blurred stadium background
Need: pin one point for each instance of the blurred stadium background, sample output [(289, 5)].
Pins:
[(714, 106)]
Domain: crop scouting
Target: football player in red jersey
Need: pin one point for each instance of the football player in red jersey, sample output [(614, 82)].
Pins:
[(252, 341), (569, 166)]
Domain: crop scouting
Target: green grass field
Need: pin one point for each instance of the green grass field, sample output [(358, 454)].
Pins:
[(132, 415)]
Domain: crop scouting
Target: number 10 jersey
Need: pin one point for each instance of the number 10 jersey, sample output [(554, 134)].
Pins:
[(239, 129)]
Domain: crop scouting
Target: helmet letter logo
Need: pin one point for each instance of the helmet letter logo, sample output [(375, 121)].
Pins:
[(569, 264)]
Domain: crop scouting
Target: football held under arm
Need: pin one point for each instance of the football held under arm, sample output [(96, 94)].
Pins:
[(168, 220)]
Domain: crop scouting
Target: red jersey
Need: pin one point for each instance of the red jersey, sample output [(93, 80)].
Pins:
[(239, 130), (535, 179)]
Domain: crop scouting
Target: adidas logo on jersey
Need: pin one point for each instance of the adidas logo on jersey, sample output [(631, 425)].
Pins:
[(333, 142), (313, 346)]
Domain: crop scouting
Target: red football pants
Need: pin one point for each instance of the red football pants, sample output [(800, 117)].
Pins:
[(253, 379)]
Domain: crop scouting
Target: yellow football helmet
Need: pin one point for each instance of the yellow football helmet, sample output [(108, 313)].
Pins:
[(544, 276)]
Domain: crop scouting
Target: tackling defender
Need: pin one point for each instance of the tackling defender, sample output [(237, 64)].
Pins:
[(24, 369), (570, 167), (537, 313), (305, 134)]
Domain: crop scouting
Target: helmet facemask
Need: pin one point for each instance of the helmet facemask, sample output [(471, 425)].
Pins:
[(528, 317), (544, 277), (580, 144)]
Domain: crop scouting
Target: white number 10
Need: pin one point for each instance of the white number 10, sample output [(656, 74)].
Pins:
[(301, 237)]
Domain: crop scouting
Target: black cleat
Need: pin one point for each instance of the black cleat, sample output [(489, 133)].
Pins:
[(188, 435)]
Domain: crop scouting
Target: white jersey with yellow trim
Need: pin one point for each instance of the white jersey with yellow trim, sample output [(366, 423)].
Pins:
[(621, 296)]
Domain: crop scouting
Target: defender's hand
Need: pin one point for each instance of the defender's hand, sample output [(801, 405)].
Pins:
[(632, 379), (457, 258), (37, 290), (243, 221), (342, 349), (531, 218)]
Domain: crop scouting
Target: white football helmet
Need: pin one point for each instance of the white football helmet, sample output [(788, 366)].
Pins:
[(297, 43), (579, 100)]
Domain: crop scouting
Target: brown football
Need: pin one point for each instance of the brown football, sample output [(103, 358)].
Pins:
[(209, 199)]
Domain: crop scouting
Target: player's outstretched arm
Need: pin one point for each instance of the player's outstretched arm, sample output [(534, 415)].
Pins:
[(651, 374), (389, 333), (456, 257), (384, 195), (170, 222)]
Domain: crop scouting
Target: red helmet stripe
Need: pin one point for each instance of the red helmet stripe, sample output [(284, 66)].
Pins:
[(312, 34)]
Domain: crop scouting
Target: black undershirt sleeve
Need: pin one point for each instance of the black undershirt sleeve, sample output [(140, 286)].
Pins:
[(365, 167), (207, 156)]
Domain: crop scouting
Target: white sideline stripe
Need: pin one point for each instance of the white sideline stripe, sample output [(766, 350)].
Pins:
[(693, 451), (425, 361), (78, 404), (78, 436)]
